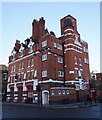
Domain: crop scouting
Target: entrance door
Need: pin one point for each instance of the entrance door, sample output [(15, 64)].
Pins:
[(29, 93), (45, 97), (20, 91)]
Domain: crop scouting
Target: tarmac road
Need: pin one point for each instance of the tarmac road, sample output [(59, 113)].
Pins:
[(30, 111)]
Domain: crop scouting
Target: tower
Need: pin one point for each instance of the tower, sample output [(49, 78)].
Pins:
[(72, 48)]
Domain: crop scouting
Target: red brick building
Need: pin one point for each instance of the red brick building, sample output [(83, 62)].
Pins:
[(57, 66)]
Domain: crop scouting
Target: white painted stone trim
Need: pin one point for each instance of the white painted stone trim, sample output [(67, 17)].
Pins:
[(73, 50)]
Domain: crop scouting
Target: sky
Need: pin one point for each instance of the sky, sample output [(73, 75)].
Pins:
[(17, 20)]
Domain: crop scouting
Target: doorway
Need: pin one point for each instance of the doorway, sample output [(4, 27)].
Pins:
[(45, 97)]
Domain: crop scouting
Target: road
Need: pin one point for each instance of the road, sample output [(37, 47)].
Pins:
[(28, 111)]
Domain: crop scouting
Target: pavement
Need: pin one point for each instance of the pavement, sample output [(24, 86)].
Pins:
[(72, 105)]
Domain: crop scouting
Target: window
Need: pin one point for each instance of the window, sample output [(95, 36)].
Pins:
[(32, 74), (22, 65), (32, 62), (76, 37), (28, 75), (59, 46), (60, 60), (80, 61), (55, 45), (60, 73), (75, 60), (44, 73), (63, 92), (28, 63), (85, 50), (31, 48), (67, 92), (53, 92), (44, 57), (76, 73), (59, 92), (19, 76), (86, 61), (44, 43), (22, 77), (14, 68)]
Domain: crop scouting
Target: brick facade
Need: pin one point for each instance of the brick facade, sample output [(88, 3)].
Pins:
[(56, 64)]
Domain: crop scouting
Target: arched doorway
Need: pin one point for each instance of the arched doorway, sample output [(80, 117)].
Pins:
[(45, 97)]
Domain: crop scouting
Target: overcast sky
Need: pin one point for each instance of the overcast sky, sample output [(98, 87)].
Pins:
[(17, 20)]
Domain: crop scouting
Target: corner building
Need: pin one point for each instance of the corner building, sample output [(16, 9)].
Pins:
[(46, 69)]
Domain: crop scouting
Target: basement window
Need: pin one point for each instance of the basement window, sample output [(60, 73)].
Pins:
[(53, 92)]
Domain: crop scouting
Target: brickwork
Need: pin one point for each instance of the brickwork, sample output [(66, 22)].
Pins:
[(48, 61)]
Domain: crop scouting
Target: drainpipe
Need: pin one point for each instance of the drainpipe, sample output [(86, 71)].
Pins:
[(63, 61)]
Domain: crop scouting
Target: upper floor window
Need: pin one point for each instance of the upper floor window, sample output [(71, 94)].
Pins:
[(59, 46), (55, 45), (60, 60), (76, 73), (76, 37), (44, 57), (32, 62), (28, 75), (28, 63), (60, 73), (22, 65), (19, 76), (44, 73), (80, 61), (44, 43), (85, 50), (32, 74), (86, 61), (31, 48), (14, 68), (22, 76), (75, 59)]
